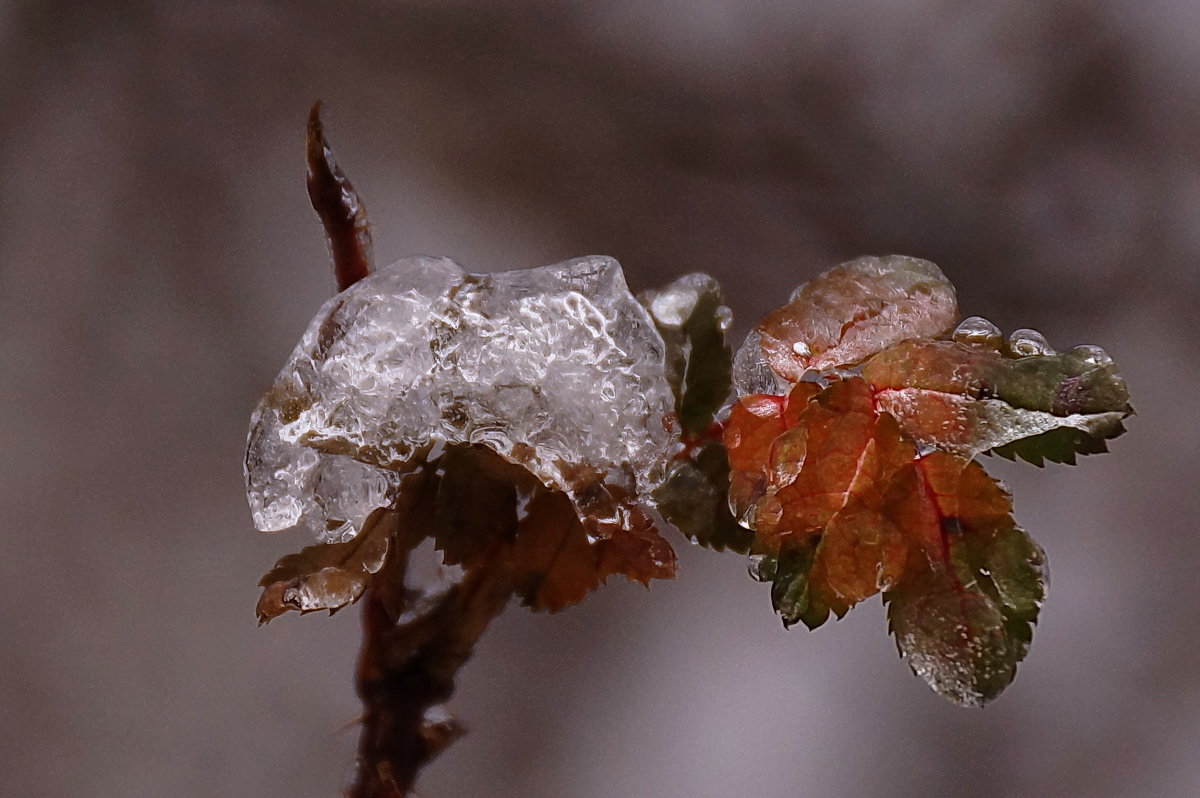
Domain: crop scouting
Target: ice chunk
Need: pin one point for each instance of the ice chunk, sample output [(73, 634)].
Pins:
[(558, 369)]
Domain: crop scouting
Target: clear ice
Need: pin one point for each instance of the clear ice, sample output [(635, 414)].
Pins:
[(558, 369)]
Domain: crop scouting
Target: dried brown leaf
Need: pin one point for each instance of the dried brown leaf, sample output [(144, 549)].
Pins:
[(327, 576)]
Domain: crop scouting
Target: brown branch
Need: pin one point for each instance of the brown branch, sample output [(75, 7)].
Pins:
[(413, 646)]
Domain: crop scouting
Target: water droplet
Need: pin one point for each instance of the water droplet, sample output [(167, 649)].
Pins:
[(1028, 343), (1091, 355), (978, 331), (762, 568)]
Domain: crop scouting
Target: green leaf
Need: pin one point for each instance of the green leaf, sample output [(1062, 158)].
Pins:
[(692, 320), (693, 500), (792, 596), (1074, 382), (963, 613), (970, 399), (1062, 444)]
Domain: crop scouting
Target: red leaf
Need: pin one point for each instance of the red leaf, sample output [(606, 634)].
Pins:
[(846, 509), (834, 503), (962, 613), (856, 310)]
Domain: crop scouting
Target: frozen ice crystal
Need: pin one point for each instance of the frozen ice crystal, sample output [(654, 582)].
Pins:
[(558, 369)]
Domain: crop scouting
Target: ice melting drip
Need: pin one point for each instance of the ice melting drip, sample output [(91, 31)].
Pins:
[(558, 369)]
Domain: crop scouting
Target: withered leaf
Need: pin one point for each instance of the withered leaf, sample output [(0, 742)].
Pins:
[(476, 504), (492, 514), (637, 552), (552, 562), (327, 576)]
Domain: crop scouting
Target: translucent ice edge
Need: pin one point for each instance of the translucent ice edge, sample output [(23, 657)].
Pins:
[(558, 369)]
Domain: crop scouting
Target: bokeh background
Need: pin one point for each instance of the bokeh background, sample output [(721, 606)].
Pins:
[(158, 260)]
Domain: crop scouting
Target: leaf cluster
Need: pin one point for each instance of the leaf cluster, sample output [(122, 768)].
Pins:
[(861, 478), (845, 466)]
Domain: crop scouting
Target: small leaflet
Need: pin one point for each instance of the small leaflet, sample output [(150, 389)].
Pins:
[(963, 614), (328, 576), (850, 312)]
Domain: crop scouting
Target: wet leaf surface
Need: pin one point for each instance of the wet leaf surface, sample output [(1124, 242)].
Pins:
[(970, 400), (963, 613), (863, 480), (855, 310), (694, 499), (854, 511)]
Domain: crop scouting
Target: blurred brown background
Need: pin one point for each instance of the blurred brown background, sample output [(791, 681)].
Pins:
[(158, 260)]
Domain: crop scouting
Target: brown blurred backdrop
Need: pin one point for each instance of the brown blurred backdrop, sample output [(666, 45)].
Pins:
[(158, 260)]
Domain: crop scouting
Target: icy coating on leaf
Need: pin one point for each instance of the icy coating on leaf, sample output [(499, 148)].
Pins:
[(557, 369), (974, 398), (848, 313), (852, 454)]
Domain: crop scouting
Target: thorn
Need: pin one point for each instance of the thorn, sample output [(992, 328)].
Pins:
[(338, 206)]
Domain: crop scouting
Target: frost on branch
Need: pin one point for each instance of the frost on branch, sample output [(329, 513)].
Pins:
[(852, 450), (522, 421)]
